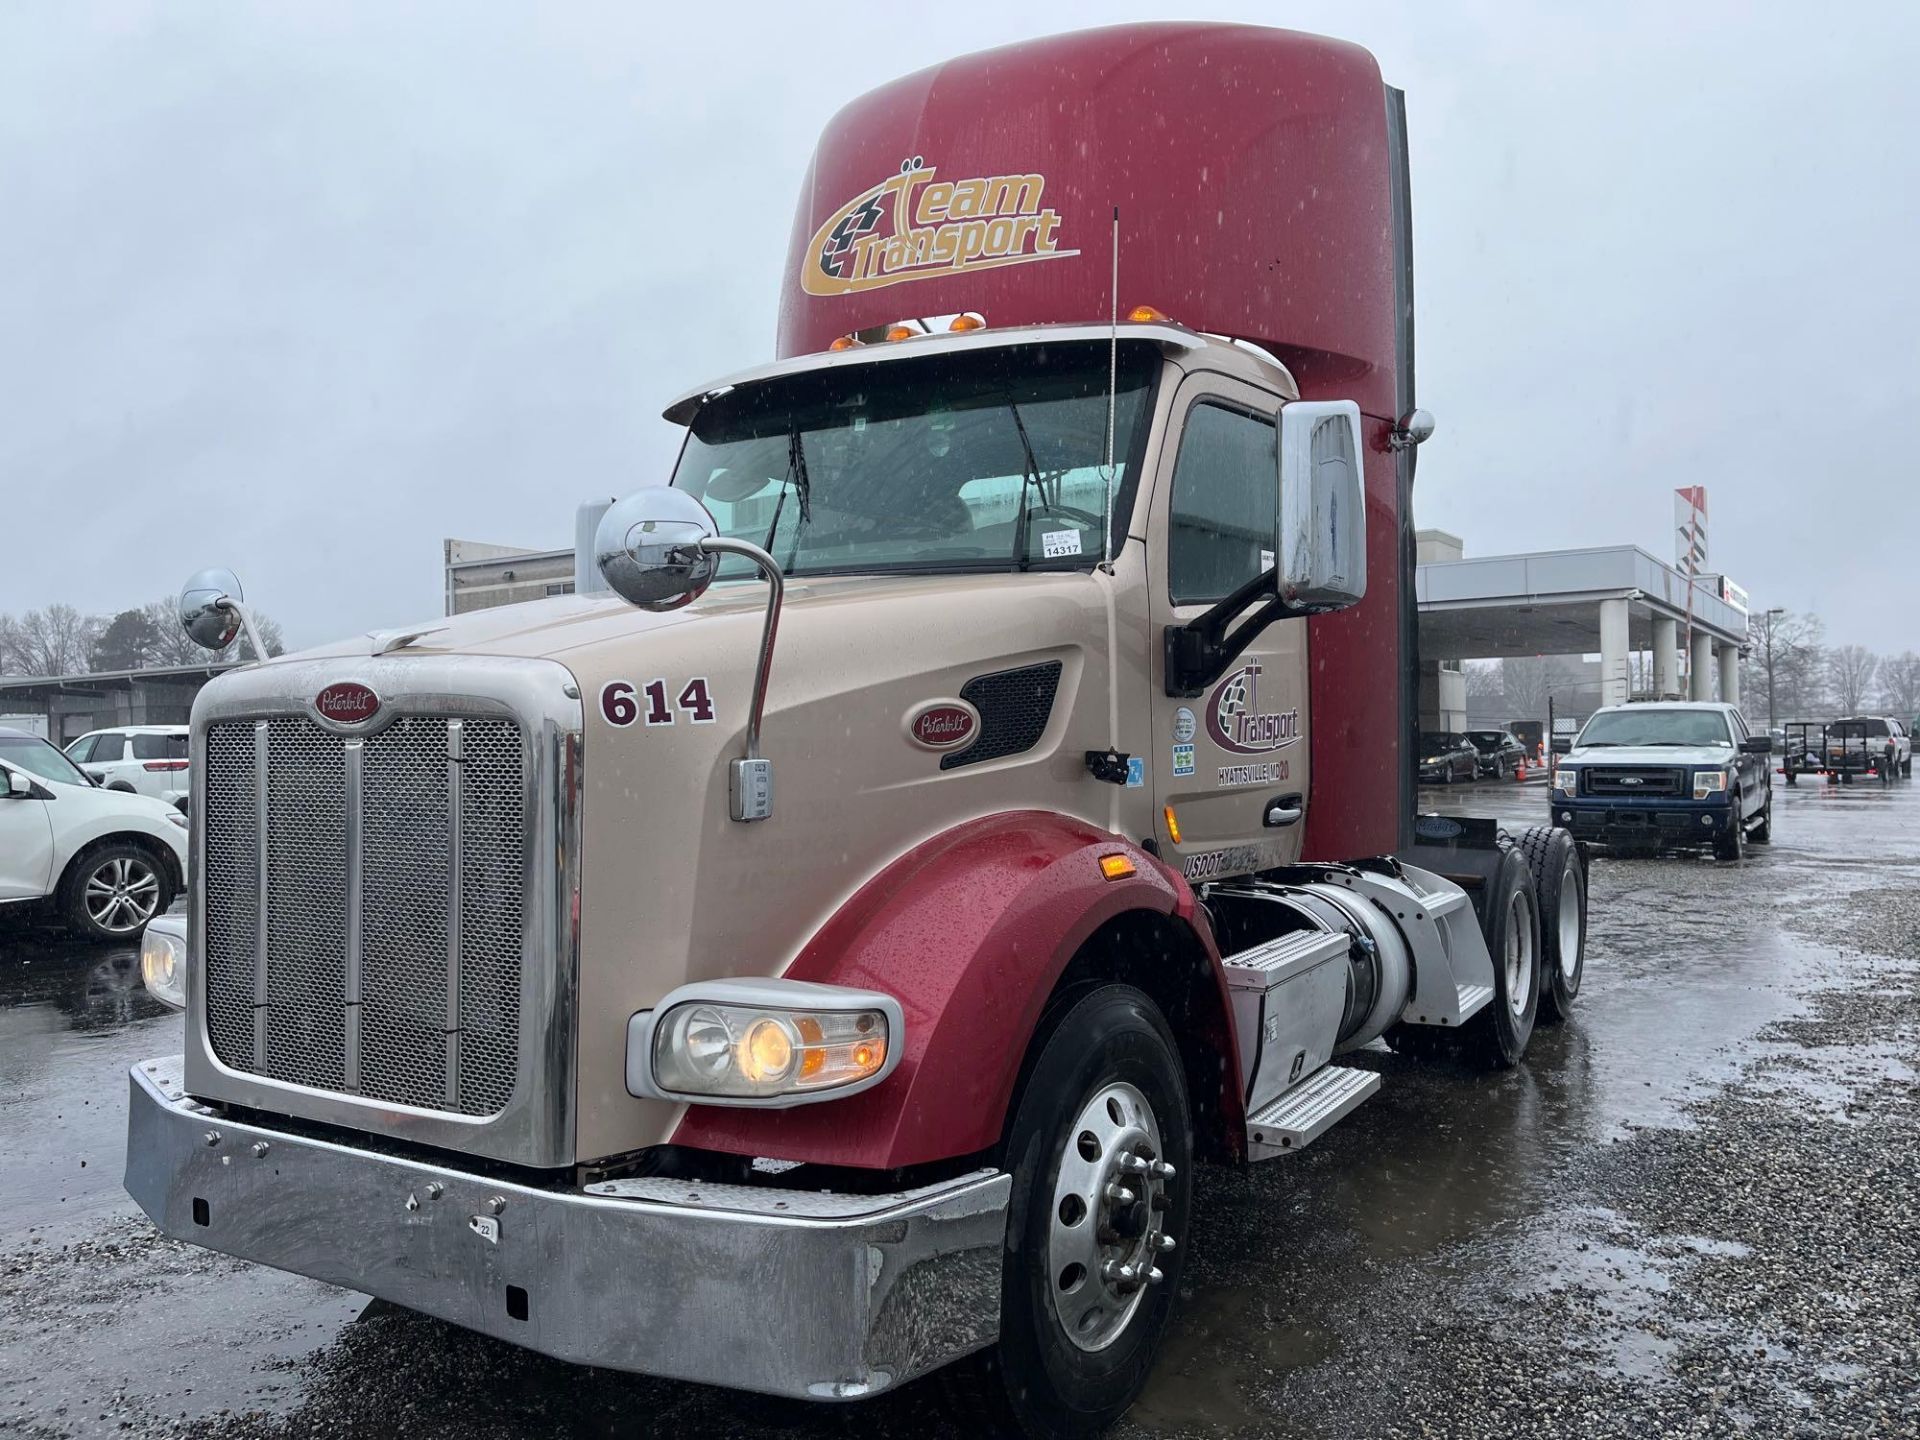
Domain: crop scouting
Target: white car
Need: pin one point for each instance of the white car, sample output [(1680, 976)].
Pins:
[(146, 759), (109, 860)]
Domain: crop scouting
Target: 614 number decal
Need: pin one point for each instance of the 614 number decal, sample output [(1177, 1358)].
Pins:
[(621, 704)]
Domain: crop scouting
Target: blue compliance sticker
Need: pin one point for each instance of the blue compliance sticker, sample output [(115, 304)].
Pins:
[(1183, 760), (1136, 771)]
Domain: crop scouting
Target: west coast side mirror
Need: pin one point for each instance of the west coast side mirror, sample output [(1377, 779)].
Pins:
[(1321, 542)]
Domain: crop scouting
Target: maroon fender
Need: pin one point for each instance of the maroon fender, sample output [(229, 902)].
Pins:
[(970, 931)]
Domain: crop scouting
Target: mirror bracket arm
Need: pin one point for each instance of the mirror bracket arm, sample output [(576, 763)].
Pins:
[(1199, 652), (246, 623), (750, 788)]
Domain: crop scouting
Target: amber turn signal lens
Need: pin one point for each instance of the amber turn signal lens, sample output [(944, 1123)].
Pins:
[(1145, 314), (968, 321), (1173, 825), (845, 342), (901, 332), (1115, 867)]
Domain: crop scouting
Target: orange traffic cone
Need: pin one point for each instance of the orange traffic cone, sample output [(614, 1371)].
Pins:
[(1520, 770)]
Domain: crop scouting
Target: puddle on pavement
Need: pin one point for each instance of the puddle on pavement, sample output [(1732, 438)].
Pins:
[(1227, 1332)]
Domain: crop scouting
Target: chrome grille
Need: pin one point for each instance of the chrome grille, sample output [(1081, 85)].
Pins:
[(393, 895), (1631, 781)]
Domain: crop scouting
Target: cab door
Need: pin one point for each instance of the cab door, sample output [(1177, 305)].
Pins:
[(1229, 765)]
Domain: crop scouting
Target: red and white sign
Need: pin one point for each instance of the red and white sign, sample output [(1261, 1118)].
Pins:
[(347, 702)]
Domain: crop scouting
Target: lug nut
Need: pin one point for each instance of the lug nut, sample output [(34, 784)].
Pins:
[(212, 1137), (1118, 1194), (1154, 1277), (1162, 1170), (1133, 1164), (260, 1148), (1166, 1243), (1160, 1200)]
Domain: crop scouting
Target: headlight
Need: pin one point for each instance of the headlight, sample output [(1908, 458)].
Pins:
[(1708, 782), (1566, 779), (763, 1042), (163, 966)]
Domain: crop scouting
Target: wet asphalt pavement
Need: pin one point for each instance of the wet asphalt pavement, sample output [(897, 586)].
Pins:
[(1691, 1212)]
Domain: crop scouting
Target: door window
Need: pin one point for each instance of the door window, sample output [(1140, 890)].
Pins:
[(81, 750), (107, 749), (159, 747), (1226, 486)]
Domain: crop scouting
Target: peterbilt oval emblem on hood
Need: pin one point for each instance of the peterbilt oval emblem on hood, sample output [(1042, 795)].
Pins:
[(347, 702), (943, 725)]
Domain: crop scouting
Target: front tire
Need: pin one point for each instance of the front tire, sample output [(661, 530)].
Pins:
[(111, 893), (1500, 1032), (1101, 1150), (1762, 832), (1732, 844)]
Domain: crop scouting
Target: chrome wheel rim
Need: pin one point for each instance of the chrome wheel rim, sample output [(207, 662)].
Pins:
[(1519, 953), (122, 894), (1570, 918), (1108, 1226)]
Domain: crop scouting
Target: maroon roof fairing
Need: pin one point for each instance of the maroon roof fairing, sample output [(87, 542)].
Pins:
[(1251, 170)]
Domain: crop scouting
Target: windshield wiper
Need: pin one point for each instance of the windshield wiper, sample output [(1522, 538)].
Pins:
[(1029, 476), (796, 480)]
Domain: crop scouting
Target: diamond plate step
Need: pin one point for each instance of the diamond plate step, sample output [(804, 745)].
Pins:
[(1473, 999), (1308, 1111)]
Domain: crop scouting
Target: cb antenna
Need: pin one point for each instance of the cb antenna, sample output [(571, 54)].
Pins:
[(1113, 382)]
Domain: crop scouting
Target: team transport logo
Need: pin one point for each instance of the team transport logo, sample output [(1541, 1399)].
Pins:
[(1236, 722), (914, 226)]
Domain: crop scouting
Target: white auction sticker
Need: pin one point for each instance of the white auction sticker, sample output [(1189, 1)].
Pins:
[(1055, 543)]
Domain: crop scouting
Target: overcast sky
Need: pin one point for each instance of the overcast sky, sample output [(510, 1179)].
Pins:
[(304, 289)]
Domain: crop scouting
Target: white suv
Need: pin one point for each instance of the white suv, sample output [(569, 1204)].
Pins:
[(109, 860), (146, 759)]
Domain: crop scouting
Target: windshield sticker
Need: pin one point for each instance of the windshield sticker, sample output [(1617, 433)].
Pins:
[(1236, 722), (1183, 760), (912, 226), (1055, 543)]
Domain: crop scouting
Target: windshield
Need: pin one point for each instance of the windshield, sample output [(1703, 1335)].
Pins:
[(1438, 744), (984, 461), (37, 757), (1487, 739), (1657, 727)]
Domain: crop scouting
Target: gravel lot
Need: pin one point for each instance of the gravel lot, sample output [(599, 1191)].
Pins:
[(1690, 1213)]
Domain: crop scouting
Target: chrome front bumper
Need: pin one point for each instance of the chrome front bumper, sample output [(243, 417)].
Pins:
[(812, 1295)]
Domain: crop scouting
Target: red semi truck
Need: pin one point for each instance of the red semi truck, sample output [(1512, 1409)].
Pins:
[(989, 791)]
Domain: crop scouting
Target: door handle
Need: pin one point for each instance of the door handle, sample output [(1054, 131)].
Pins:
[(1284, 810)]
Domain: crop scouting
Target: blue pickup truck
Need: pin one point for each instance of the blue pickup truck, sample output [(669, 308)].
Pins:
[(1667, 776)]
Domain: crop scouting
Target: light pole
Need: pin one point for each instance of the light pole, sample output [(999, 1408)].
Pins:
[(1777, 610)]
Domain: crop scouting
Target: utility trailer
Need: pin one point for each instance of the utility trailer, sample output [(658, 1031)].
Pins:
[(988, 792)]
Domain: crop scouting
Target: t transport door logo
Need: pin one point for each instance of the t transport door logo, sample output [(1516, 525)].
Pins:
[(1236, 722), (912, 226)]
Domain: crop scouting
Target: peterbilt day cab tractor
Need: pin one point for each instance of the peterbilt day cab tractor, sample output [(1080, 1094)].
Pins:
[(989, 791)]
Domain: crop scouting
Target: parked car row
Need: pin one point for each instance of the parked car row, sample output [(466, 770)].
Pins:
[(107, 859)]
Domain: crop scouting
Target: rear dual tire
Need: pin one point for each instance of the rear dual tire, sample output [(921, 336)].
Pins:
[(1559, 869), (1498, 1035)]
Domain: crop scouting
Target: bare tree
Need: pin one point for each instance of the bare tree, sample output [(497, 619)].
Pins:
[(55, 641), (1900, 684), (1483, 679), (1850, 671), (1530, 679)]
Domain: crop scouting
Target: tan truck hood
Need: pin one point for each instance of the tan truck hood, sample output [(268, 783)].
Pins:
[(673, 890)]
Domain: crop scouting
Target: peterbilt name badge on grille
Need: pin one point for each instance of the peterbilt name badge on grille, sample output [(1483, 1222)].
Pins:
[(347, 702), (943, 725)]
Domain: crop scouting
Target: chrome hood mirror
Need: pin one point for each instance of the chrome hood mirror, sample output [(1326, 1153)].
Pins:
[(649, 547), (213, 611), (210, 610)]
